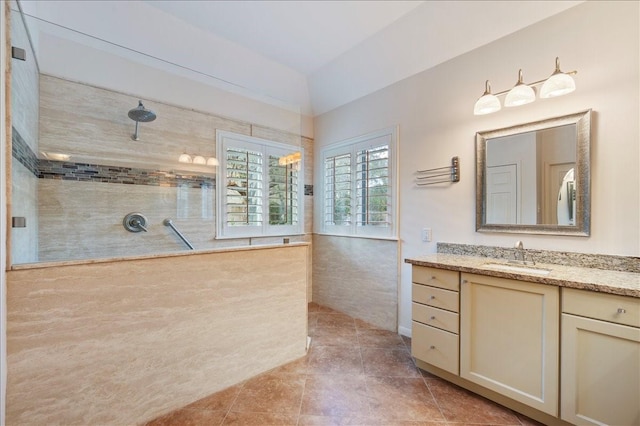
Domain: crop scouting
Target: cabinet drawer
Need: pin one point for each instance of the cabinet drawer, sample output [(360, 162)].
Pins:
[(607, 307), (436, 347), (436, 277), (435, 317), (432, 296)]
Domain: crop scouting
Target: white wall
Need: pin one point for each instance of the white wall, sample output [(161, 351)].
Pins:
[(148, 29), (434, 112)]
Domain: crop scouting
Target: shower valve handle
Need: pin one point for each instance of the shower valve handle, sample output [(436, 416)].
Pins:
[(135, 222)]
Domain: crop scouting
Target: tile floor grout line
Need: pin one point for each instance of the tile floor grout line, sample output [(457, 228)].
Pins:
[(304, 388), (373, 345)]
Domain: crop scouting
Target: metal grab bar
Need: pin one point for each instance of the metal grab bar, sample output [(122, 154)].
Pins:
[(169, 223)]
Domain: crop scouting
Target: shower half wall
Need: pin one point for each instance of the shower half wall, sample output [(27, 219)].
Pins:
[(120, 343)]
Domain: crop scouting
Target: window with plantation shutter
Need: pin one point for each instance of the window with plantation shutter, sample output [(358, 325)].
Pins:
[(259, 187), (337, 194), (359, 185), (373, 195)]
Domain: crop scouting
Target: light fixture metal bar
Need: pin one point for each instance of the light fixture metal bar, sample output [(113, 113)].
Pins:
[(535, 83)]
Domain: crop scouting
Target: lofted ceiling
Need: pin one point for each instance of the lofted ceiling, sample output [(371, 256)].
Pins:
[(314, 55)]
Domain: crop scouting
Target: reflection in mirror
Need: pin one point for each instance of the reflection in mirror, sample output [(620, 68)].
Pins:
[(534, 178)]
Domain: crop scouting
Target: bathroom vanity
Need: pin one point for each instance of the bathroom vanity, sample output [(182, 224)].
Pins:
[(559, 344)]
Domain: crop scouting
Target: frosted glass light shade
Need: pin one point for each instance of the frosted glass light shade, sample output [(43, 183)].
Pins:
[(212, 161), (557, 85), (199, 159), (185, 158), (520, 94), (486, 105)]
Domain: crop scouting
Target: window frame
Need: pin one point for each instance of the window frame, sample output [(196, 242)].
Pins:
[(351, 146), (225, 140)]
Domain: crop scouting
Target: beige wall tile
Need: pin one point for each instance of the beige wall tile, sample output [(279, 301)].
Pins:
[(357, 276), (24, 203), (83, 220), (92, 125), (123, 342), (24, 85)]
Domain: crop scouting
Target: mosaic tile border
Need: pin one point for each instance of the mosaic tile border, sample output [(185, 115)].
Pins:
[(22, 152), (584, 260), (65, 170), (83, 172)]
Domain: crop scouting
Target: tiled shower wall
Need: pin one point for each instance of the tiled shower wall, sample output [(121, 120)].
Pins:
[(345, 281), (82, 201), (24, 118)]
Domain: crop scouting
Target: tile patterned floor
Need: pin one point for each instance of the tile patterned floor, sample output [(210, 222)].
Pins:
[(354, 374)]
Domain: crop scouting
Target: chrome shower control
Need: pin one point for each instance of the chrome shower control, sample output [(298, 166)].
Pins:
[(135, 222)]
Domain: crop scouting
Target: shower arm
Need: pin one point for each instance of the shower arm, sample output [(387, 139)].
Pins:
[(135, 136), (169, 223)]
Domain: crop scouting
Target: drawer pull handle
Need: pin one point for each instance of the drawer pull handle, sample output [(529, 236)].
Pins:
[(433, 277), (622, 311), (431, 297), (432, 347), (433, 318)]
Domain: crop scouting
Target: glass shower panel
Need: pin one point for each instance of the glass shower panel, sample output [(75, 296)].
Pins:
[(77, 168)]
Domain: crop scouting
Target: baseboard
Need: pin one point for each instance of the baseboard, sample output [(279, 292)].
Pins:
[(404, 331)]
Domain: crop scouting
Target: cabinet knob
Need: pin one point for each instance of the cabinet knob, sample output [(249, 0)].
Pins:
[(431, 297), (433, 277), (432, 318), (432, 347), (622, 311)]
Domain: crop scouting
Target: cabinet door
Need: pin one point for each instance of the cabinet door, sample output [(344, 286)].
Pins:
[(600, 372), (434, 346), (509, 339)]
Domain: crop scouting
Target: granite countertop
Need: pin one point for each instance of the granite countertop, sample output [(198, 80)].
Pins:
[(600, 280)]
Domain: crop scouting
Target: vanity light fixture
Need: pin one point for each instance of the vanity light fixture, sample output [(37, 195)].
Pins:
[(558, 84), (521, 94), (487, 103), (198, 159), (292, 160), (185, 158)]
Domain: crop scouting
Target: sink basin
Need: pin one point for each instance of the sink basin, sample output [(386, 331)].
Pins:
[(517, 268)]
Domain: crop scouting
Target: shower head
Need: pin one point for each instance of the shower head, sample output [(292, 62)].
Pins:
[(140, 114)]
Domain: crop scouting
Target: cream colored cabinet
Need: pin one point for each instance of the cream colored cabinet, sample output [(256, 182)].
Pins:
[(509, 339), (435, 324), (600, 358)]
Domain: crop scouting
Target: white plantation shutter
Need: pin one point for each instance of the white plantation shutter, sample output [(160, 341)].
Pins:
[(259, 187), (243, 197), (359, 185), (337, 191), (373, 192)]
